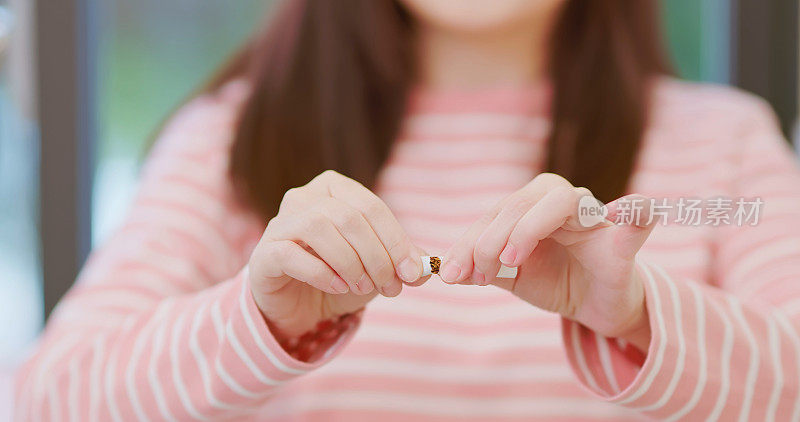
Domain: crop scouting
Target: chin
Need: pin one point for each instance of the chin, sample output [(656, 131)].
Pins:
[(479, 15)]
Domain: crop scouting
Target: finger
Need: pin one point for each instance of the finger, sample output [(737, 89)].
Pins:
[(422, 280), (318, 232), (548, 215), (389, 231), (359, 234), (494, 238), (457, 264), (629, 238), (492, 242), (284, 258)]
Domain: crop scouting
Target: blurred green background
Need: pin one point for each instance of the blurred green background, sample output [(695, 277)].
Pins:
[(150, 61)]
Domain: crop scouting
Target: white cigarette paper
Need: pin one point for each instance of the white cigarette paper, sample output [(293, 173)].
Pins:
[(504, 272)]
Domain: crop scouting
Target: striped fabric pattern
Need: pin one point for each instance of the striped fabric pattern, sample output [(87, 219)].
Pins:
[(161, 324)]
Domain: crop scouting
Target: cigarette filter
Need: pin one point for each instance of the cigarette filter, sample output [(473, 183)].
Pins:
[(432, 264)]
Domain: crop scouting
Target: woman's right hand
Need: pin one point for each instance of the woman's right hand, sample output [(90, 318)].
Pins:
[(332, 247)]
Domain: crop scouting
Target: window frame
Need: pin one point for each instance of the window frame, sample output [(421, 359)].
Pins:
[(66, 46)]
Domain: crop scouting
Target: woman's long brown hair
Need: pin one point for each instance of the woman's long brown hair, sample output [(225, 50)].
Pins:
[(329, 82)]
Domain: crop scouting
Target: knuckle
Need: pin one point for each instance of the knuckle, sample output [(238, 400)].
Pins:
[(485, 219), (392, 289), (521, 235), (315, 223), (374, 207), (283, 250), (543, 177), (551, 179), (323, 178), (397, 246), (349, 220), (320, 274), (483, 252), (293, 193), (582, 191), (291, 196), (280, 227), (365, 282), (273, 252), (563, 192), (460, 253), (520, 205), (339, 185), (330, 177), (348, 265), (327, 175), (384, 272), (330, 173), (353, 270), (273, 223)]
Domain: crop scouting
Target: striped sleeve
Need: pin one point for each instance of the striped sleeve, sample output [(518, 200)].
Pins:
[(727, 349), (161, 324)]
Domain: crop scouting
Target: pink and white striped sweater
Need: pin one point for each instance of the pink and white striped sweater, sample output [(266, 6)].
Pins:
[(161, 324)]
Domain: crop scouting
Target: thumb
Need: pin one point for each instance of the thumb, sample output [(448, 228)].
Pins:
[(420, 281), (634, 220)]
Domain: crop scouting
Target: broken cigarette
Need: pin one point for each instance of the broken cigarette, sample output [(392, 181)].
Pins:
[(432, 264)]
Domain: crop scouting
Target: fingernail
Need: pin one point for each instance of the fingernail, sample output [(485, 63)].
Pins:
[(409, 270), (364, 284), (478, 277), (450, 273), (391, 289), (508, 255), (338, 285)]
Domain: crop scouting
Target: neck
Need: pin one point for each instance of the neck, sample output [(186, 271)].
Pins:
[(455, 60)]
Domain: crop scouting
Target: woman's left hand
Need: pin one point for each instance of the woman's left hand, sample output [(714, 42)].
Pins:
[(586, 274)]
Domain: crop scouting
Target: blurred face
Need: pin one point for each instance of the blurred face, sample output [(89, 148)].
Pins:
[(481, 16)]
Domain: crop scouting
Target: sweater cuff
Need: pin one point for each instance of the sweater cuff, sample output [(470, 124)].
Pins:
[(257, 344), (618, 372)]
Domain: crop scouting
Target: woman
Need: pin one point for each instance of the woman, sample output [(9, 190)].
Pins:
[(249, 282)]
